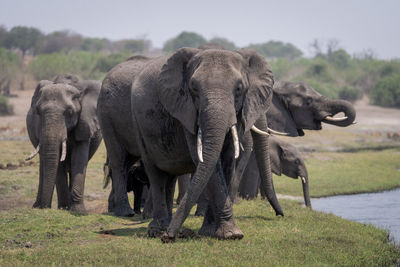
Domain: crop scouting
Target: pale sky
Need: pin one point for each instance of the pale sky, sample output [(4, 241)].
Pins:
[(357, 24)]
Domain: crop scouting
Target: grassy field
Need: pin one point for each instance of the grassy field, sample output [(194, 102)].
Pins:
[(303, 237)]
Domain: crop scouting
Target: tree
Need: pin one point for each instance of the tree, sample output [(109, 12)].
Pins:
[(277, 49), (23, 38), (185, 39), (61, 40), (94, 44), (224, 42)]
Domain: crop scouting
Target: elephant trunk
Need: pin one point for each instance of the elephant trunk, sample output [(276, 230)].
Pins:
[(213, 137), (51, 142), (261, 149), (336, 106), (306, 192)]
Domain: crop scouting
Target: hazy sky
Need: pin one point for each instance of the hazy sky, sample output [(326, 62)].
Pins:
[(357, 24)]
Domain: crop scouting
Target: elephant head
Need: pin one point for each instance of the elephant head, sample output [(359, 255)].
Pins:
[(217, 95), (60, 114), (286, 159), (297, 106)]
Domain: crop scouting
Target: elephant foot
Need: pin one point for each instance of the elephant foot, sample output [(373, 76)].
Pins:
[(208, 229), (123, 211), (36, 205), (165, 238), (228, 230), (157, 228), (79, 208)]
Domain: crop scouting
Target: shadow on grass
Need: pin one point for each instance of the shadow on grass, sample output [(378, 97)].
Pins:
[(138, 232), (252, 217)]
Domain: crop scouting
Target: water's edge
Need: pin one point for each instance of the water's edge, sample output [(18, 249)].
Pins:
[(381, 209)]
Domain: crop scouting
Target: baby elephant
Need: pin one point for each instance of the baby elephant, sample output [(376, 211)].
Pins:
[(63, 127), (136, 181), (286, 159)]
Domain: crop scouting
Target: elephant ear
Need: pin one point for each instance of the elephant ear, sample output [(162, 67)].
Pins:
[(259, 93), (88, 124), (36, 94), (276, 155), (279, 117), (173, 92)]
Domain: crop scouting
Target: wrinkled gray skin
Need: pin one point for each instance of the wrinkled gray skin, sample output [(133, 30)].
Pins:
[(295, 106), (172, 98), (58, 112), (286, 159)]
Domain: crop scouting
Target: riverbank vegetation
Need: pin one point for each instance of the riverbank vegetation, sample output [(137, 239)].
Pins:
[(29, 54)]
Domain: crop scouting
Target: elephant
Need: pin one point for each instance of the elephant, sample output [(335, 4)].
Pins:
[(186, 114), (285, 158), (136, 182), (295, 106), (63, 127)]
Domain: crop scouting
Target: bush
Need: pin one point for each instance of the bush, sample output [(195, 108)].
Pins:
[(47, 66), (386, 91), (5, 107), (185, 39), (107, 62), (319, 70), (350, 93)]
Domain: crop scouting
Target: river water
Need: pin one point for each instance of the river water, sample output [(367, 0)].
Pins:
[(381, 209)]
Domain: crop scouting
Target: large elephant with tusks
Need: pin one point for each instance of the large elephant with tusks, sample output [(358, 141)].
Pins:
[(185, 113)]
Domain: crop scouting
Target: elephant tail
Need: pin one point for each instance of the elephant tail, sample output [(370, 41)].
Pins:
[(107, 174)]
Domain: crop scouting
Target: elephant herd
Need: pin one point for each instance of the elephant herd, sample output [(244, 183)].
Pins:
[(204, 114)]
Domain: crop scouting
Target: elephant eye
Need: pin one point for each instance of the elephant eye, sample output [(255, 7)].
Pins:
[(297, 161), (309, 101)]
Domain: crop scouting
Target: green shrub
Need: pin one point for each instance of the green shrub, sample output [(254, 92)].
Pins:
[(319, 70), (5, 107), (107, 62), (386, 91), (350, 93), (47, 66)]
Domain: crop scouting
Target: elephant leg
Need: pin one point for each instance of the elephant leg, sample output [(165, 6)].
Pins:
[(241, 163), (202, 205), (148, 206), (40, 188), (209, 225), (170, 191), (250, 183), (137, 198), (183, 183), (118, 199), (63, 194), (221, 204), (79, 161), (159, 181)]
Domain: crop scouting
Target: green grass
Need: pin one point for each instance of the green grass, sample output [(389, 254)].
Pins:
[(303, 237), (332, 173)]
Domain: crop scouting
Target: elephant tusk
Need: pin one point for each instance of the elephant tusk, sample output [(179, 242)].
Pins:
[(276, 132), (255, 129), (64, 150), (199, 146), (235, 141), (329, 118), (303, 179), (241, 147), (34, 153)]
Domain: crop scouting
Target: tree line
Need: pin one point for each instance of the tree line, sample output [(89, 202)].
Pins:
[(332, 71)]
